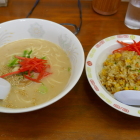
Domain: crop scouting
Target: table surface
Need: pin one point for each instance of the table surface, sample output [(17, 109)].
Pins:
[(81, 114)]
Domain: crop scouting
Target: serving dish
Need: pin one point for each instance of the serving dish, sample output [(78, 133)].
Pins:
[(94, 64), (29, 28)]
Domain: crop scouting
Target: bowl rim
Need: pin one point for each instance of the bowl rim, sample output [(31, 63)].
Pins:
[(58, 97), (92, 77)]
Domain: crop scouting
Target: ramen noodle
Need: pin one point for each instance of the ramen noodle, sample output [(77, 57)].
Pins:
[(24, 92)]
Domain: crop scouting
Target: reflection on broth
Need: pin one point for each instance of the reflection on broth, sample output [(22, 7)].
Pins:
[(26, 93)]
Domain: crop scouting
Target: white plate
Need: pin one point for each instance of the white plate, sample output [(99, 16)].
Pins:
[(94, 61)]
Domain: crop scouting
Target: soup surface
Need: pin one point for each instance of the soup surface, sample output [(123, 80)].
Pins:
[(26, 93)]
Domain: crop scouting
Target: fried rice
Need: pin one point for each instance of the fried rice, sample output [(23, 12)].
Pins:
[(121, 71)]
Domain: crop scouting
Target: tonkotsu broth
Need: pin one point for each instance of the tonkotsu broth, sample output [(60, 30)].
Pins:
[(25, 93)]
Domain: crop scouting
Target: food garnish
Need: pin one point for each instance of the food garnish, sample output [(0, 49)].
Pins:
[(135, 46), (43, 89), (27, 53), (26, 65)]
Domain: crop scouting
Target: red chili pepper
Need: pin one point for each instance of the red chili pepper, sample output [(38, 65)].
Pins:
[(36, 65)]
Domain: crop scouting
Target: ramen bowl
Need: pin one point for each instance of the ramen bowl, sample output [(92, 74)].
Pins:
[(43, 29), (94, 64)]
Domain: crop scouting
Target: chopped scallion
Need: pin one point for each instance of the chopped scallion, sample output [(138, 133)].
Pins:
[(43, 89), (27, 53), (43, 57), (13, 62), (128, 66), (69, 69)]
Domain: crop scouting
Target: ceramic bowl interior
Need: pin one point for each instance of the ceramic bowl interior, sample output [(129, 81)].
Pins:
[(94, 64), (43, 29)]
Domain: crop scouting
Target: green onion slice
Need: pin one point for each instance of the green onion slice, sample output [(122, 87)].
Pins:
[(43, 89)]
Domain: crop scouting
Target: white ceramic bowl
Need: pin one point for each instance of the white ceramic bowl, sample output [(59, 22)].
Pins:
[(94, 64), (43, 29)]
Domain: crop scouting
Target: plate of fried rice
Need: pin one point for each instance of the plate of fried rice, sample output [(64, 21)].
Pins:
[(109, 71)]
